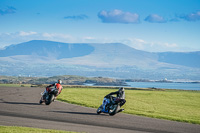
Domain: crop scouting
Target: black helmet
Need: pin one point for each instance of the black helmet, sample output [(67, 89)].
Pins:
[(121, 89)]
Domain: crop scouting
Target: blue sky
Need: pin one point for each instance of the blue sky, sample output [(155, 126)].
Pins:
[(150, 25)]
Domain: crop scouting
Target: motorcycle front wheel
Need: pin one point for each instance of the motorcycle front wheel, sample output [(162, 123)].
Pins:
[(99, 110)]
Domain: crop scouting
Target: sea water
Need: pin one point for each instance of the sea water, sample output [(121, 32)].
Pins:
[(166, 85)]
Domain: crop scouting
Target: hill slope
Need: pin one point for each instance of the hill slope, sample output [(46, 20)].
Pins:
[(190, 59), (47, 49)]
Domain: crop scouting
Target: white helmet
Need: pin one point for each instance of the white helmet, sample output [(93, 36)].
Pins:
[(121, 93), (60, 81)]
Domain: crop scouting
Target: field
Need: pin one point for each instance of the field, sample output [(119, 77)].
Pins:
[(177, 105), (13, 129)]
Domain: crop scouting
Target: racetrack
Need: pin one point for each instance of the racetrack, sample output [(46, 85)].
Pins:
[(19, 107)]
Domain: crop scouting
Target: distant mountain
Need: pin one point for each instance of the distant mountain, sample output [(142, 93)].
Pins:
[(47, 58), (47, 49), (189, 59)]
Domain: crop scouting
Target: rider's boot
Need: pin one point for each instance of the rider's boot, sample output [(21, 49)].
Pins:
[(40, 102), (54, 99), (121, 110)]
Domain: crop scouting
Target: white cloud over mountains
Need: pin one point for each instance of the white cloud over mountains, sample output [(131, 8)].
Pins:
[(140, 44), (118, 16), (22, 33), (22, 36), (144, 45)]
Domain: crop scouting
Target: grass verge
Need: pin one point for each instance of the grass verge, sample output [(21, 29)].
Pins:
[(14, 129), (177, 105)]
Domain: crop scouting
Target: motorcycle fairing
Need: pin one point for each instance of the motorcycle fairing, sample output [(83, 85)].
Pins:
[(105, 102)]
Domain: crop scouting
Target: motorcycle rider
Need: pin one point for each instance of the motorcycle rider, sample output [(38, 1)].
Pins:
[(57, 85), (120, 94)]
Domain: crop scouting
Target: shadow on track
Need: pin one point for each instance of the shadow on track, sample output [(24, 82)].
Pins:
[(20, 103), (81, 113)]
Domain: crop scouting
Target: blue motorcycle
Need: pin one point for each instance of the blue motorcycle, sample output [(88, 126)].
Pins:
[(110, 105)]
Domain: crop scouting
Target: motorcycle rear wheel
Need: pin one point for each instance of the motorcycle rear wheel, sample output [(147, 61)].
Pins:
[(113, 109), (50, 99)]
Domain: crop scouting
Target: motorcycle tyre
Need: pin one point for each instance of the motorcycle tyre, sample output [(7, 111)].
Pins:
[(51, 97), (99, 110), (111, 113)]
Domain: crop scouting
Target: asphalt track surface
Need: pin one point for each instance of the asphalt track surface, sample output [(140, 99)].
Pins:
[(19, 107)]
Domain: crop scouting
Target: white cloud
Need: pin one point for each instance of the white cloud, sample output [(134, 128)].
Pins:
[(55, 35), (88, 38), (151, 46), (22, 33), (172, 45), (118, 16), (154, 18), (139, 40), (8, 10), (23, 36), (77, 17), (191, 17)]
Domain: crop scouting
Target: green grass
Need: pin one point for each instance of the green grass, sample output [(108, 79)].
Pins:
[(177, 105), (14, 129)]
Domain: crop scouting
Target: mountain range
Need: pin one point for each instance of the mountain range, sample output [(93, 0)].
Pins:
[(48, 58)]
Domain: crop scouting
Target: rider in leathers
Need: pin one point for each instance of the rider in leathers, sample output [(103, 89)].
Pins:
[(120, 94), (57, 85)]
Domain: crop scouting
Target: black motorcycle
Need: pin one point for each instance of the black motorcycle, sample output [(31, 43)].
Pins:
[(49, 96)]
